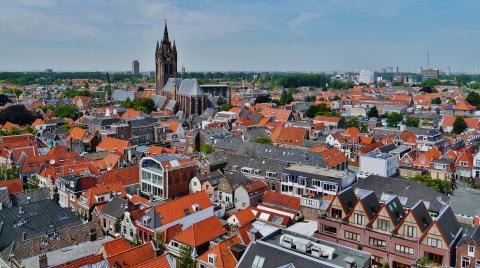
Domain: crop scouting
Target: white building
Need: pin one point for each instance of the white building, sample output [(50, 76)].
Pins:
[(381, 164), (366, 76)]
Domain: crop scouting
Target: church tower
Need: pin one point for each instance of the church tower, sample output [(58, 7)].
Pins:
[(165, 61)]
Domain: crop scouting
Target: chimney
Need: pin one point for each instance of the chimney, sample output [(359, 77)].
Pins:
[(93, 234), (43, 261), (138, 191), (237, 251), (24, 236)]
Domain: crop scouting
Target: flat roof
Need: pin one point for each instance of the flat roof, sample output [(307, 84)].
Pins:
[(319, 171), (341, 252)]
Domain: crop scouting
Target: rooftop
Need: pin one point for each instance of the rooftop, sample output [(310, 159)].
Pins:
[(272, 250)]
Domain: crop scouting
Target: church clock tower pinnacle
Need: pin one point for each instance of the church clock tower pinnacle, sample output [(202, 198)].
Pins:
[(165, 61)]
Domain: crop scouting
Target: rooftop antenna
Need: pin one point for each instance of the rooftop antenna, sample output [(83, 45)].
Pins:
[(428, 60)]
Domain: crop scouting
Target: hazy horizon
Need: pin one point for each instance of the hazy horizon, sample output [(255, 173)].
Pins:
[(266, 36)]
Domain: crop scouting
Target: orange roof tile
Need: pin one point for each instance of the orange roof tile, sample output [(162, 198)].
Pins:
[(322, 118), (288, 135), (464, 106), (13, 186), (201, 232), (225, 258), (175, 209), (333, 157), (282, 200), (158, 262), (351, 131), (244, 216), (256, 186), (77, 133), (132, 257), (277, 114), (113, 145), (116, 246), (125, 176)]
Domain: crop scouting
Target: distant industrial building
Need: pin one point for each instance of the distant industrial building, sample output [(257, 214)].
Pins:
[(430, 74), (135, 67), (366, 76)]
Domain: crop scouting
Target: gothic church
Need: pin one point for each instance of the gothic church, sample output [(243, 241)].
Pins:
[(184, 94)]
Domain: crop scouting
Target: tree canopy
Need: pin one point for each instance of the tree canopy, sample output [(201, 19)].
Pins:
[(394, 119), (473, 98), (412, 122), (17, 114), (373, 112), (459, 125), (321, 109), (145, 105), (67, 111), (436, 100)]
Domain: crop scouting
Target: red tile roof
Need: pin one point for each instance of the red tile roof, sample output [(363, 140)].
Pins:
[(175, 209), (116, 246), (277, 114), (201, 232), (244, 216), (333, 157), (132, 257), (13, 186), (113, 145), (321, 118), (90, 194), (82, 262), (288, 135), (125, 176), (256, 187), (282, 200), (158, 262), (225, 258)]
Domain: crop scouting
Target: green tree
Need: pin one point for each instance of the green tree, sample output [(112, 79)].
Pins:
[(431, 82), (459, 125), (286, 97), (436, 100), (118, 226), (263, 140), (159, 242), (321, 109), (412, 122), (185, 259), (67, 111), (206, 148), (56, 195), (394, 119), (439, 185), (352, 122), (224, 107), (263, 99), (373, 112), (473, 98)]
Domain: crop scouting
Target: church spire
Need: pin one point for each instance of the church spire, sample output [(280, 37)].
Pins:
[(165, 33), (156, 49)]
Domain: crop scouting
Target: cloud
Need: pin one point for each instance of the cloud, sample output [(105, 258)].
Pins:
[(299, 24)]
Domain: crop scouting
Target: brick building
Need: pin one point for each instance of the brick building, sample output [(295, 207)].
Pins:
[(392, 234), (167, 175)]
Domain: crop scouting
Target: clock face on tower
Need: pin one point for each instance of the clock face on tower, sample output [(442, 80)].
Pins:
[(168, 55)]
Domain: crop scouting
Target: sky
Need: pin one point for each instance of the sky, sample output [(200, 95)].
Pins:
[(244, 35)]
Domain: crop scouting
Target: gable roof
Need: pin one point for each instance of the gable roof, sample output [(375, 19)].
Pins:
[(177, 208), (421, 215), (283, 200), (225, 258), (13, 186), (113, 144), (244, 216), (448, 225), (347, 199), (126, 176), (133, 256), (201, 232)]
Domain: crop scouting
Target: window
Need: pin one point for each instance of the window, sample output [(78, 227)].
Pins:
[(359, 218), (404, 249), (376, 242), (436, 243), (174, 244), (471, 249), (329, 229), (383, 224), (351, 236), (277, 220), (258, 262), (377, 261), (465, 261), (409, 231), (336, 213)]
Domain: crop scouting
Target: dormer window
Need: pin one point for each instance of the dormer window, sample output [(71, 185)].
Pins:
[(195, 207), (72, 184), (212, 258)]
